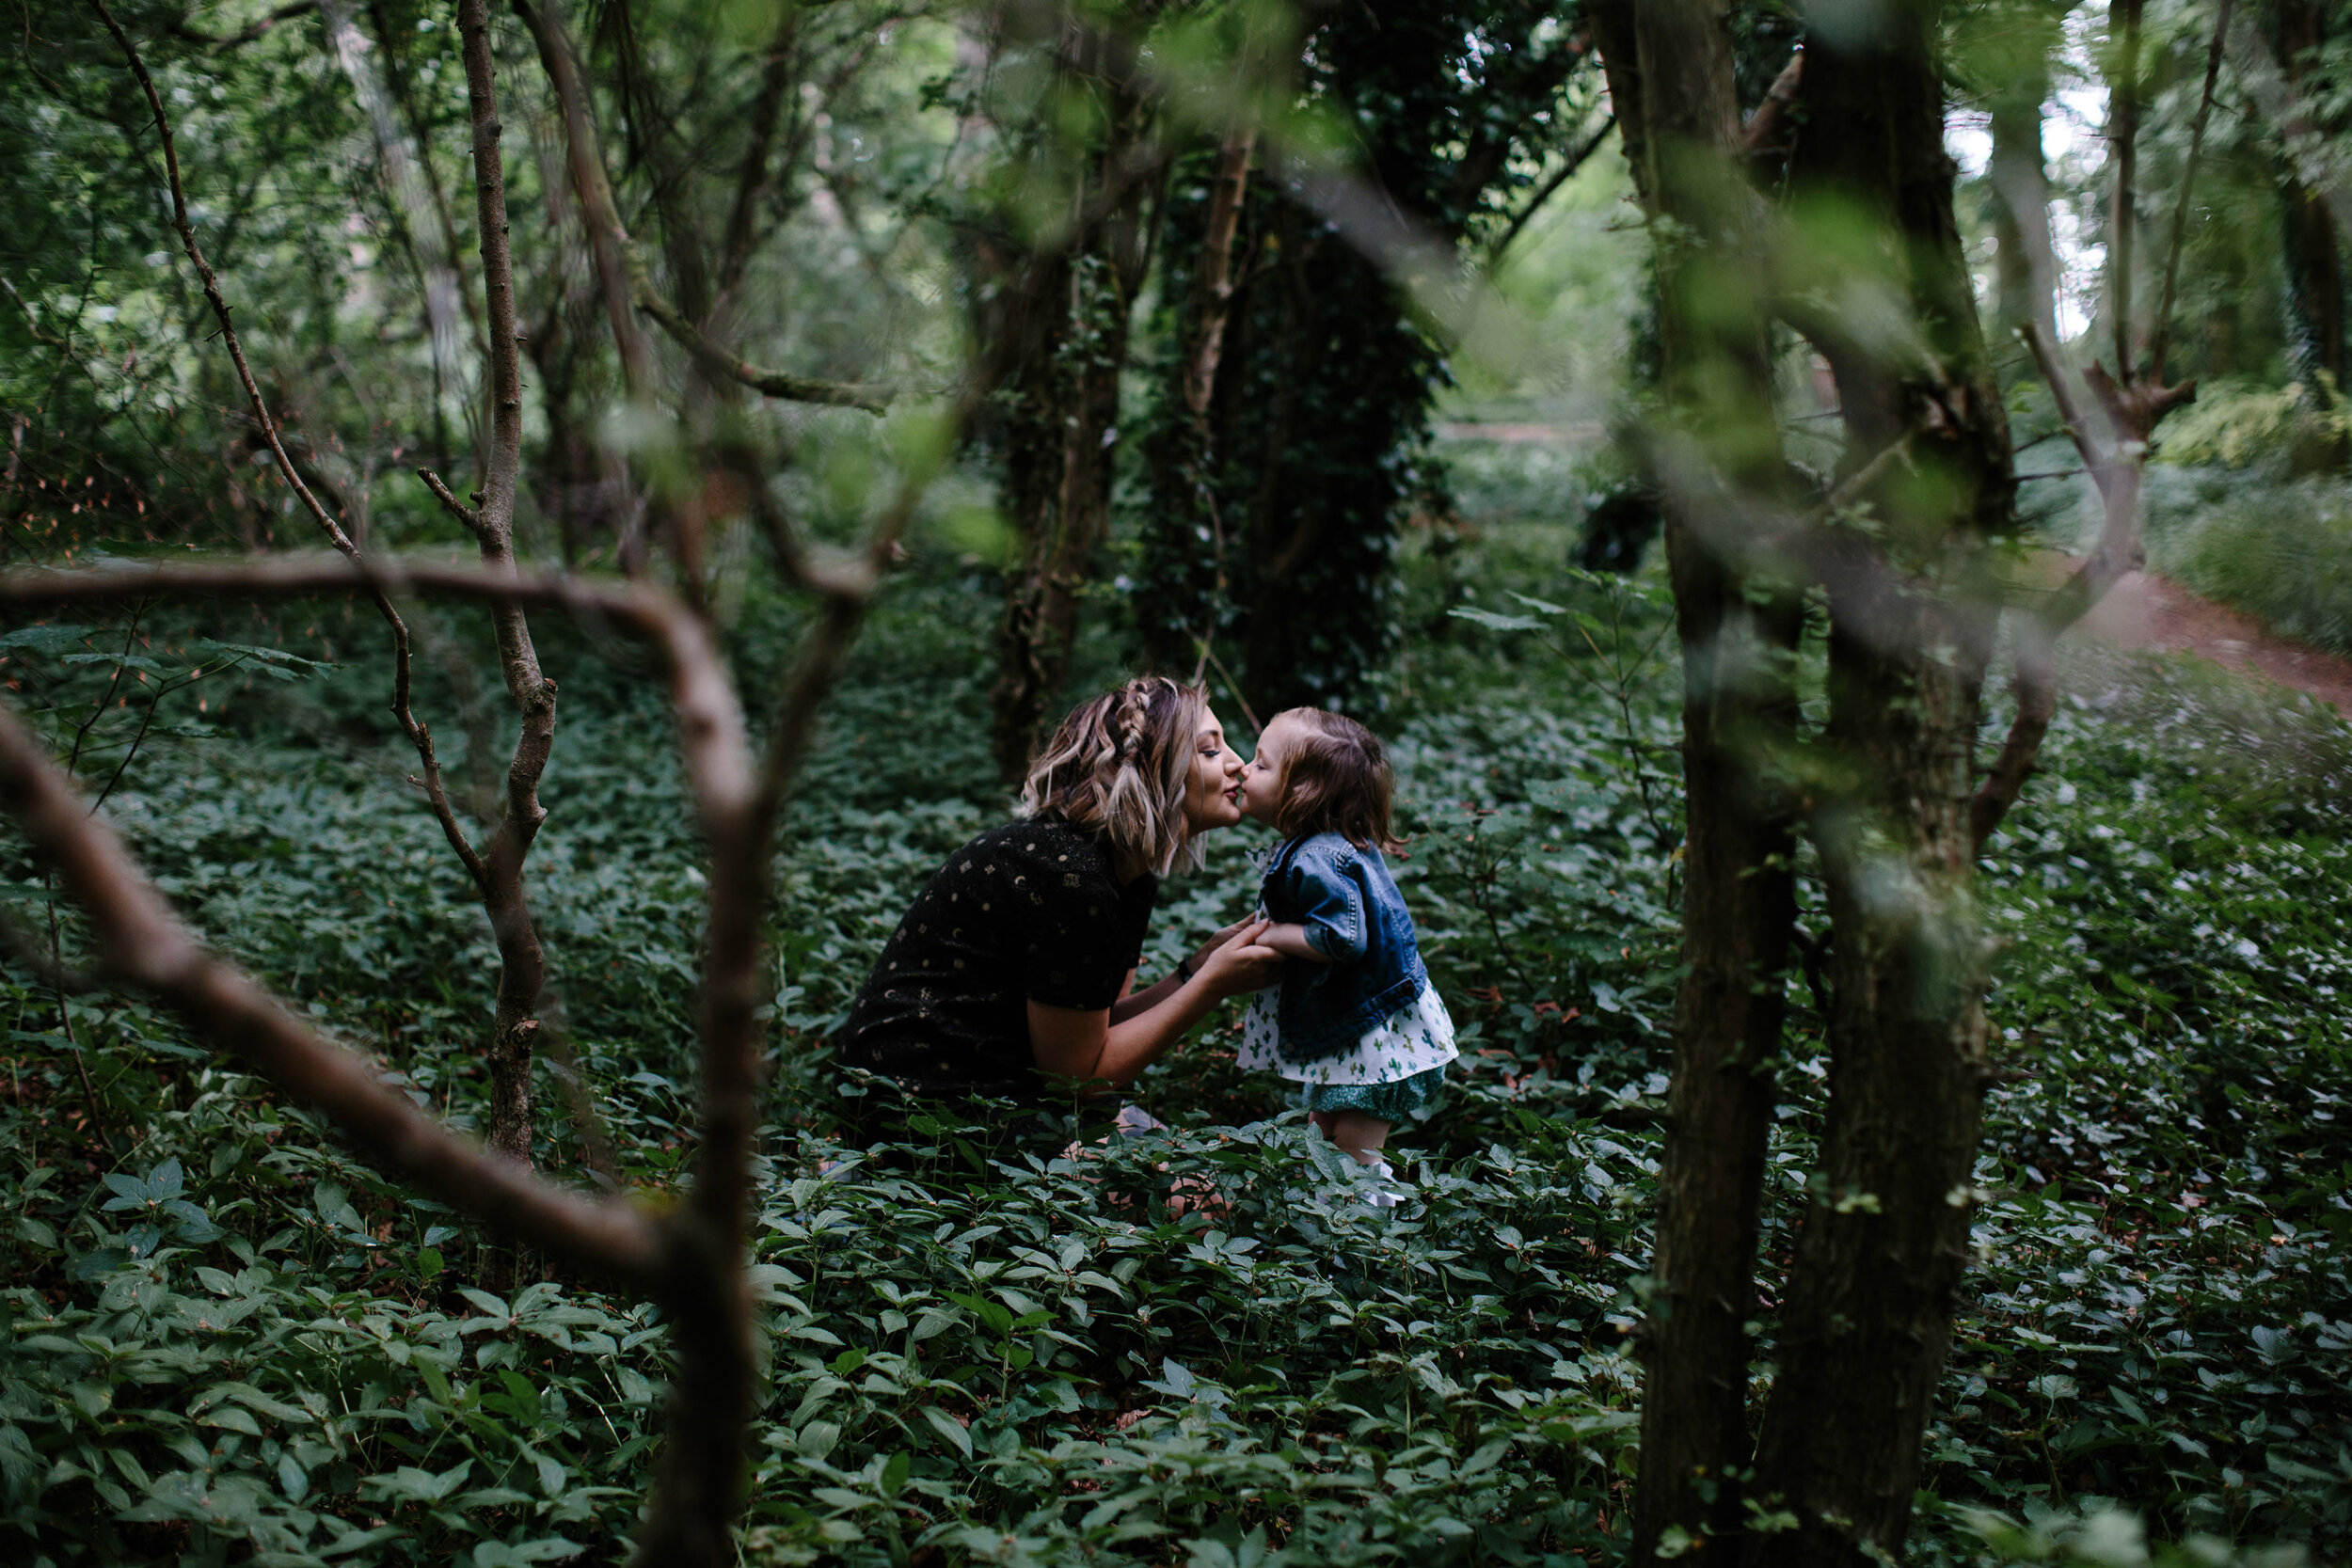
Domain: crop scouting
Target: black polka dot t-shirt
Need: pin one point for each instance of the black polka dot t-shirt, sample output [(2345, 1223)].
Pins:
[(1026, 912)]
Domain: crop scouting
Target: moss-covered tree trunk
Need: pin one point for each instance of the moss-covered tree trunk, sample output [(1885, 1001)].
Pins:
[(1274, 525), (1061, 427)]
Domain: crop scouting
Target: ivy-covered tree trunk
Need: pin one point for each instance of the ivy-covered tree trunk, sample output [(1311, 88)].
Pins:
[(2311, 249), (1273, 528), (1184, 544), (1061, 427), (1670, 80), (1866, 1317)]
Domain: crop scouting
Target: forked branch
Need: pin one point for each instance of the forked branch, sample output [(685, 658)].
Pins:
[(2133, 406)]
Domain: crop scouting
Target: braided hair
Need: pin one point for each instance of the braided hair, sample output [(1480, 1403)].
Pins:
[(1118, 767)]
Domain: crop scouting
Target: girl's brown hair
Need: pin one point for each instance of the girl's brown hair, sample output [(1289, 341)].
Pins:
[(1117, 767), (1336, 780)]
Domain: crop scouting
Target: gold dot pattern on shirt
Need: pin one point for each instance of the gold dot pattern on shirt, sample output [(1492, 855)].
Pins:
[(946, 1003)]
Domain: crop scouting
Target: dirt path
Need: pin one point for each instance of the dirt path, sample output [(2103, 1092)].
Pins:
[(2145, 611)]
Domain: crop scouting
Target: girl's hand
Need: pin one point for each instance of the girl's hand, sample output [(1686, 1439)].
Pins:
[(1242, 963)]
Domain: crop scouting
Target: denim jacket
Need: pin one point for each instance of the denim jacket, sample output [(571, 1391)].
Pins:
[(1354, 916)]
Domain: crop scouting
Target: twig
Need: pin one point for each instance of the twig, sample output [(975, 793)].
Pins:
[(2180, 207), (872, 397), (143, 944), (54, 971), (98, 710), (26, 948), (1209, 658), (1758, 131), (244, 35), (465, 515), (2070, 412), (1550, 188)]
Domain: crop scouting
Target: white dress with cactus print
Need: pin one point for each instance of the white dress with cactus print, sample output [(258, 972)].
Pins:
[(1412, 1039)]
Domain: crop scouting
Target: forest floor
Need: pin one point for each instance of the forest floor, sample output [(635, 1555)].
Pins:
[(2145, 611)]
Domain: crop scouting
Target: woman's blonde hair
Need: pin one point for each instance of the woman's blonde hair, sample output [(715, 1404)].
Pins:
[(1118, 767)]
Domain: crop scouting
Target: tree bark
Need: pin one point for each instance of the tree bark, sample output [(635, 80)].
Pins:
[(1061, 433), (522, 963), (2027, 294), (2312, 252), (1866, 1317), (1670, 74)]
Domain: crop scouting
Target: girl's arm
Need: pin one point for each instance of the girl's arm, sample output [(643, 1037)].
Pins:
[(1089, 1047), (1291, 941)]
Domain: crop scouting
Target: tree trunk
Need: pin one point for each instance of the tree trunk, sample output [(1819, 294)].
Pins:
[(2312, 253), (1183, 452), (522, 964), (1059, 436), (1866, 1317), (1669, 65), (2028, 295)]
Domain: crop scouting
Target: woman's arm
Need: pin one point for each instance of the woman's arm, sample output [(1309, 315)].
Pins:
[(1131, 1002), (1091, 1047)]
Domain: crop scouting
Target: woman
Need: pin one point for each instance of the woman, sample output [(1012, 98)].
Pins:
[(1010, 976)]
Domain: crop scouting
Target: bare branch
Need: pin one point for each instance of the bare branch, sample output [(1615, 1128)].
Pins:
[(872, 397), (244, 35), (608, 239), (2163, 335), (753, 179), (710, 725), (2070, 412), (1550, 188), (450, 503), (621, 274), (1762, 125), (211, 285), (142, 943)]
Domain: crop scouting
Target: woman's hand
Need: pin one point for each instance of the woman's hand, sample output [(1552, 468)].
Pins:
[(1241, 961), (1200, 954)]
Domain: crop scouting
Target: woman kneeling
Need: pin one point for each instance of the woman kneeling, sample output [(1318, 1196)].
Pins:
[(1012, 976)]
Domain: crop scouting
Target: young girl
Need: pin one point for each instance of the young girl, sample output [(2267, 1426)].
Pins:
[(1355, 1018)]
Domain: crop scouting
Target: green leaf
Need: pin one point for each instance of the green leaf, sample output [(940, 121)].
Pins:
[(950, 1429), (231, 1419), (1497, 622)]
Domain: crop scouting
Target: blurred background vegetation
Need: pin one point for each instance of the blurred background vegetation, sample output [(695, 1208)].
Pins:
[(223, 1337)]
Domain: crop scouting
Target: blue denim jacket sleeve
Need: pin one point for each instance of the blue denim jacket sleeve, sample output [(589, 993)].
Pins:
[(1334, 909)]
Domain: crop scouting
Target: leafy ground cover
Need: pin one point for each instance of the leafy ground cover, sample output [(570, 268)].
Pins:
[(224, 1337)]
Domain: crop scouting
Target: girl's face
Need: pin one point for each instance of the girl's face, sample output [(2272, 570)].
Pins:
[(1211, 793), (1262, 781)]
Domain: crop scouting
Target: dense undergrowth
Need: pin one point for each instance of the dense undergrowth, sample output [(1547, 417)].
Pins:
[(225, 1340)]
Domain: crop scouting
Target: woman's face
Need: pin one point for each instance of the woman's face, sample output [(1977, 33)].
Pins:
[(1212, 794)]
